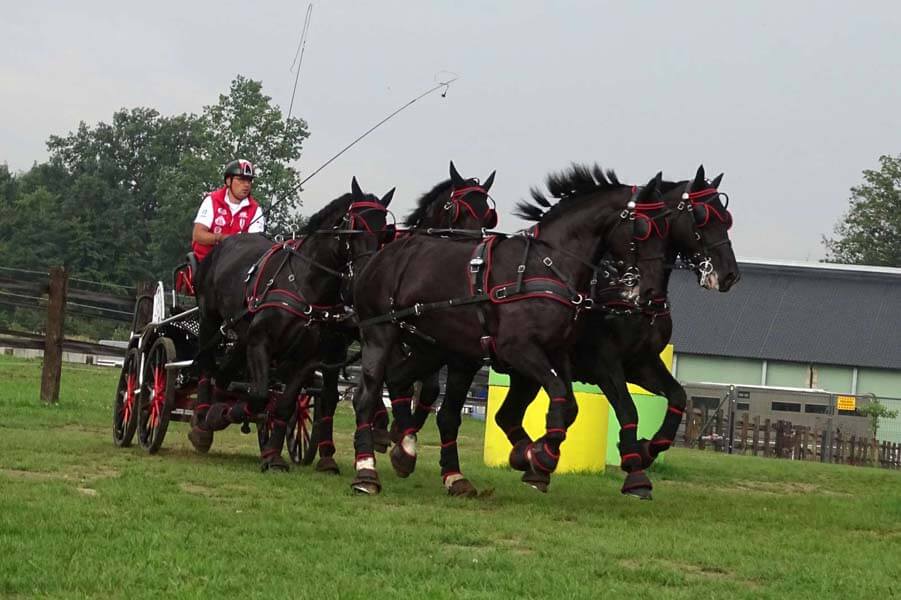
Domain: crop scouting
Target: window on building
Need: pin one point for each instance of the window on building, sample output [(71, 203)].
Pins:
[(786, 406), (819, 409), (742, 406)]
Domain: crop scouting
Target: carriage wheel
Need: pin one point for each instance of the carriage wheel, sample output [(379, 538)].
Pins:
[(299, 438), (125, 407), (157, 395)]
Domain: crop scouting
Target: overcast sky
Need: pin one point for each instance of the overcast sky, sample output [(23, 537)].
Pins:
[(792, 100)]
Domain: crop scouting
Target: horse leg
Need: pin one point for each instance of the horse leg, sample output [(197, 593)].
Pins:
[(510, 416), (459, 380), (612, 382), (656, 378), (323, 430), (554, 376), (400, 387), (258, 360), (429, 390), (201, 436), (378, 342)]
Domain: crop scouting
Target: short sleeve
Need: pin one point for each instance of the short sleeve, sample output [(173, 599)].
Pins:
[(258, 223), (205, 214)]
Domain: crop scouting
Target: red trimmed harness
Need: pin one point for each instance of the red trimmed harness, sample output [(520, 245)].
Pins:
[(458, 203)]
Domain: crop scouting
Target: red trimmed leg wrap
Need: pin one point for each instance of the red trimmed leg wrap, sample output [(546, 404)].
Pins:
[(550, 453), (559, 400), (629, 426), (449, 444), (630, 461), (675, 411), (380, 412), (444, 476), (203, 380), (201, 406), (269, 453), (363, 455), (401, 401), (542, 459), (364, 426), (410, 431), (325, 443), (279, 422)]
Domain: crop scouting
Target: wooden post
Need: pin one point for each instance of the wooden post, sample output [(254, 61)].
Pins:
[(839, 456), (756, 434), (689, 421), (744, 433), (53, 344), (766, 438)]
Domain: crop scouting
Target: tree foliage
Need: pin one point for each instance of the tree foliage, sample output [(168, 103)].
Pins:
[(115, 201), (876, 411), (870, 232)]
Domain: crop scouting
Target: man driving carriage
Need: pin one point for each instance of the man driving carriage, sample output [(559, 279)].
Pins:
[(227, 211)]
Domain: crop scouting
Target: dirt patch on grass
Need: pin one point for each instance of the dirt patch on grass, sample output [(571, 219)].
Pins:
[(772, 488), (79, 474), (198, 490), (690, 570)]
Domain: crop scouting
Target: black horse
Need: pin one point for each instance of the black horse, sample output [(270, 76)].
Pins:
[(512, 301), (272, 300), (622, 346), (456, 207)]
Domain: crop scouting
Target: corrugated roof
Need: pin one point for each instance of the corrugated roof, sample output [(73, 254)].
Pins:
[(803, 312)]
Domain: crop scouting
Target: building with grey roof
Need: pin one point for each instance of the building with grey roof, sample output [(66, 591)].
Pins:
[(794, 325)]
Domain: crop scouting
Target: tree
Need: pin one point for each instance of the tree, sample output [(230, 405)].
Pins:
[(876, 410), (870, 232)]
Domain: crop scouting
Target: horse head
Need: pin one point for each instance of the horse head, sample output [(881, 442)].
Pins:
[(701, 230), (456, 203)]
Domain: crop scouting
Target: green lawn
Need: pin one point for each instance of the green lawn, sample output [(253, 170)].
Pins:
[(80, 517)]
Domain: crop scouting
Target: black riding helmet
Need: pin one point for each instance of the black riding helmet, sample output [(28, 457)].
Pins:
[(241, 167)]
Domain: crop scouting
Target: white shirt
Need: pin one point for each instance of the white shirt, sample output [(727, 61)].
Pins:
[(205, 214)]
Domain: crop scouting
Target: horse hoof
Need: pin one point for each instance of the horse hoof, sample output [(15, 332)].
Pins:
[(328, 465), (217, 417), (201, 439), (404, 464), (276, 463), (380, 440), (462, 488), (366, 483), (640, 493), (537, 481), (519, 458), (638, 485)]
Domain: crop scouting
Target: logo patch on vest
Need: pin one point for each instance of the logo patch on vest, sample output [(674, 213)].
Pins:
[(220, 220), (242, 222), (221, 211)]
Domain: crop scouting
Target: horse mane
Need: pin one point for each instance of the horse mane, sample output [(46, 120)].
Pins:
[(425, 203), (578, 181), (328, 215)]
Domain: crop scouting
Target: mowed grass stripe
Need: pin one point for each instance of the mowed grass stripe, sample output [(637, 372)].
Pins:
[(79, 517)]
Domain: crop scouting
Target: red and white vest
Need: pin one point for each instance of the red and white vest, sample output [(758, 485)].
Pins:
[(225, 222)]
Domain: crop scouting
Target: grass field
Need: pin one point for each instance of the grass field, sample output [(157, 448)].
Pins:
[(81, 518)]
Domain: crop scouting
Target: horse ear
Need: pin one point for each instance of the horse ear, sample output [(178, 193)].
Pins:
[(489, 181), (455, 177), (699, 176), (716, 181), (355, 188), (651, 187), (386, 199)]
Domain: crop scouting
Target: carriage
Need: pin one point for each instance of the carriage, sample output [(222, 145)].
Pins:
[(159, 379)]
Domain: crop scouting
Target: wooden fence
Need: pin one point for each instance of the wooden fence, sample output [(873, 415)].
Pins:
[(782, 439), (51, 294)]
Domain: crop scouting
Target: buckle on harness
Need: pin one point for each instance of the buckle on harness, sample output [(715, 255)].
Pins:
[(577, 300), (417, 309), (475, 264), (547, 261), (501, 293), (521, 269)]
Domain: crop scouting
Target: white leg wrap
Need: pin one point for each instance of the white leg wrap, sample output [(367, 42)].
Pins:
[(409, 444), (452, 479), (366, 463)]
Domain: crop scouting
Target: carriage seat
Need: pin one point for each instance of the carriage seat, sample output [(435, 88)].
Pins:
[(184, 275)]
